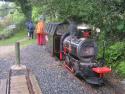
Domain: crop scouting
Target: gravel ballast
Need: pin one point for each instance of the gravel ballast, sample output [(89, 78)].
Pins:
[(52, 78)]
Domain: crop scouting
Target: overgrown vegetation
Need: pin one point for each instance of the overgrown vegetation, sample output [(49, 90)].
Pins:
[(11, 21), (115, 56), (13, 17), (21, 36)]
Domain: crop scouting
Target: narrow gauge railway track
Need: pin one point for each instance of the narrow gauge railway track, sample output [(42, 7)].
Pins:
[(108, 88), (21, 84)]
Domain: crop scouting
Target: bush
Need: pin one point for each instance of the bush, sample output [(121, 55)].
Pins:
[(7, 33), (116, 52), (114, 56), (121, 69)]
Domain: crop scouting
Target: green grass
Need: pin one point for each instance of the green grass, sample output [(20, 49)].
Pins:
[(5, 31), (21, 37), (1, 31), (121, 69)]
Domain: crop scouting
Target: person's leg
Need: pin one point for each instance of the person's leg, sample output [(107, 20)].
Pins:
[(44, 40), (28, 34), (41, 39), (32, 35), (38, 39)]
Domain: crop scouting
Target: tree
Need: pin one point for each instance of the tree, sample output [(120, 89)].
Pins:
[(4, 9), (108, 15), (26, 7)]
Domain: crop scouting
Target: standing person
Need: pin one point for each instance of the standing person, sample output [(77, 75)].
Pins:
[(40, 30), (31, 28)]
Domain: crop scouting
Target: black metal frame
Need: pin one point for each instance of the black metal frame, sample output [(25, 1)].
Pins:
[(54, 36)]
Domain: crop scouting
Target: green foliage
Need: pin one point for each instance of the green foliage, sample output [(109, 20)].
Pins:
[(4, 11), (11, 19), (121, 69), (13, 39), (17, 17), (36, 13), (116, 53), (108, 15), (25, 7), (115, 56), (121, 26), (105, 14), (19, 36)]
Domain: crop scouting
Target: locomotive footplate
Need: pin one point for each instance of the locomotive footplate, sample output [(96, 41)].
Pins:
[(86, 73), (95, 80)]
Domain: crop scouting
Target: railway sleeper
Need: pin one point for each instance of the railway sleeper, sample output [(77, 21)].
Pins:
[(20, 84)]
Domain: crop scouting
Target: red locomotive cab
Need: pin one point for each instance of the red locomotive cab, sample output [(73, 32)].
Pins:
[(86, 34), (85, 30)]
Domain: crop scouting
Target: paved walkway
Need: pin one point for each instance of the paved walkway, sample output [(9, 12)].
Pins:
[(5, 50)]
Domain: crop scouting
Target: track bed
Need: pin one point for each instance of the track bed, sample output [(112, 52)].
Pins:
[(53, 78)]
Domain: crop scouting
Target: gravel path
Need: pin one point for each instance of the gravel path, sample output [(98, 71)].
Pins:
[(53, 79), (6, 60)]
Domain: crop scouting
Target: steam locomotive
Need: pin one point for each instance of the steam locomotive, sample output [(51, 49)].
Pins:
[(77, 52)]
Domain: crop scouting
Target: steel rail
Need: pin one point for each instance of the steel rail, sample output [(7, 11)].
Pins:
[(28, 82)]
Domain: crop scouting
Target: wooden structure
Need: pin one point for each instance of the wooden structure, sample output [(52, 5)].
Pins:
[(3, 86), (20, 85)]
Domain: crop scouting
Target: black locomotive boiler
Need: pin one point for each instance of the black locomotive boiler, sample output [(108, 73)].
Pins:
[(78, 52)]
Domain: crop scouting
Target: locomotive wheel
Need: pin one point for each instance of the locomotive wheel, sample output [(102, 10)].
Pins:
[(76, 68), (67, 59), (68, 64), (72, 69)]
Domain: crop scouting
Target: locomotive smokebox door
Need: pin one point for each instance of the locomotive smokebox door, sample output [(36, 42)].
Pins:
[(55, 31)]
